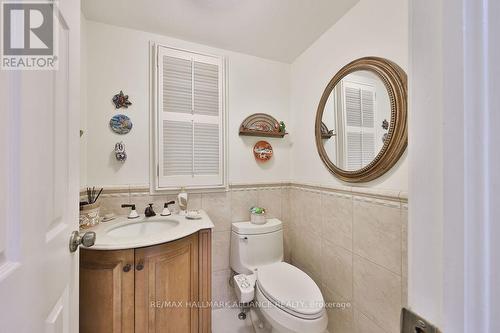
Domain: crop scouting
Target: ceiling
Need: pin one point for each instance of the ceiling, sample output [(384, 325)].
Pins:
[(274, 29)]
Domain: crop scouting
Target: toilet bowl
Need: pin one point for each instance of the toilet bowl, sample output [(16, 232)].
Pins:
[(290, 300), (286, 297)]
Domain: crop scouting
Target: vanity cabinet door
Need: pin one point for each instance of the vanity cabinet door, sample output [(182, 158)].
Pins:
[(166, 287), (106, 291)]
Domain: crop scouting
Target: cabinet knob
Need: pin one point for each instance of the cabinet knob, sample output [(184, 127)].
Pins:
[(127, 268), (140, 266)]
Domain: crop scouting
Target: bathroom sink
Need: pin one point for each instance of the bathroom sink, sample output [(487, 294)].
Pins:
[(122, 233), (142, 228)]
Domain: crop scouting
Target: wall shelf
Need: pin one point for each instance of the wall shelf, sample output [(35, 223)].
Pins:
[(261, 124)]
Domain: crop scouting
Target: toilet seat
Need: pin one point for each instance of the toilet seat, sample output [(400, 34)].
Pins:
[(291, 290)]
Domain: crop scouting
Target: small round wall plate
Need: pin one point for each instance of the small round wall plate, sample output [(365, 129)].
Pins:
[(263, 151), (120, 124)]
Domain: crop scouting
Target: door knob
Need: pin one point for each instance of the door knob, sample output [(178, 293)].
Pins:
[(87, 240)]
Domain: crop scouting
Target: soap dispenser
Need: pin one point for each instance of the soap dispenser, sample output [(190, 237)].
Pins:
[(182, 200)]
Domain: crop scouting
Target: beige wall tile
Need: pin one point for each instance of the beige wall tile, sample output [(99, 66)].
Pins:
[(270, 199), (307, 254), (220, 250), (377, 293), (310, 211), (363, 324), (340, 312), (377, 234), (218, 207), (112, 204), (337, 217), (194, 201), (336, 269), (404, 254), (295, 207), (285, 205), (241, 202)]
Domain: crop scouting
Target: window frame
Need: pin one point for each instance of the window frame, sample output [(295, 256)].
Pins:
[(156, 122)]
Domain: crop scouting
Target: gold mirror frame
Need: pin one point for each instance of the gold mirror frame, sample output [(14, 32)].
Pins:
[(395, 81)]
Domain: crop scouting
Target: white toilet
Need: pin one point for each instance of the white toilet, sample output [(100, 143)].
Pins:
[(285, 297)]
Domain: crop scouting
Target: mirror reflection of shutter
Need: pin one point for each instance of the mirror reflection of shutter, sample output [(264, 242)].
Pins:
[(353, 127), (368, 131), (190, 135), (359, 101)]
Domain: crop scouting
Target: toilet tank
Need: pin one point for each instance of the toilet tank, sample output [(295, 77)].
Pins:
[(254, 245)]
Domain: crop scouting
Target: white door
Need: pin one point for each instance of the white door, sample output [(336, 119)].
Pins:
[(39, 180)]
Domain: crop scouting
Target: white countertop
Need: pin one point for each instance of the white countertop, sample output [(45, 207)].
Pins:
[(144, 235)]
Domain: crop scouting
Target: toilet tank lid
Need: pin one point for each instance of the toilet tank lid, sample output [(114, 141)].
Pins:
[(247, 228)]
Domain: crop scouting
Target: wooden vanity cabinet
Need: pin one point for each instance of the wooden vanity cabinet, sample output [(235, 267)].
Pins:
[(166, 288), (107, 291)]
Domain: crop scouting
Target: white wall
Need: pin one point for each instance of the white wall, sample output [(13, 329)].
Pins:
[(371, 28), (118, 58)]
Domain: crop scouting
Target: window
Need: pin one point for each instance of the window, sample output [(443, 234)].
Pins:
[(189, 119)]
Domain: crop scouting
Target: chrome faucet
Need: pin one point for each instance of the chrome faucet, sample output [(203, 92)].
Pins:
[(149, 211)]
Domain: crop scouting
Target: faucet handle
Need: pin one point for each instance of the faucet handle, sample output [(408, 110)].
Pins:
[(132, 206), (166, 211), (133, 213)]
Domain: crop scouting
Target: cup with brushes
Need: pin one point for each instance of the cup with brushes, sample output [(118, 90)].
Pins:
[(89, 209)]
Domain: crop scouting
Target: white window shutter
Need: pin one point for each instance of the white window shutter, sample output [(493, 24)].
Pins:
[(190, 119), (206, 149), (177, 85), (177, 147), (206, 89)]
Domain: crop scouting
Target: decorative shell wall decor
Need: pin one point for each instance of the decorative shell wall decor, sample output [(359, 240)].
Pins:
[(120, 124), (261, 124), (121, 101), (263, 151), (120, 153)]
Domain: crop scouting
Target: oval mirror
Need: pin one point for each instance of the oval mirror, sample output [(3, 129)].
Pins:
[(361, 122)]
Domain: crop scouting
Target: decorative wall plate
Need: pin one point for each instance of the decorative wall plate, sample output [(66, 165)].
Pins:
[(263, 151), (120, 124), (261, 124), (121, 101)]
